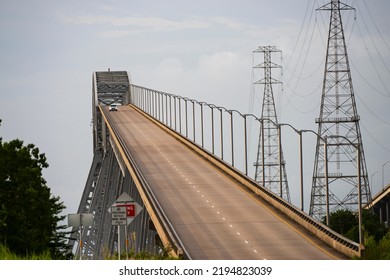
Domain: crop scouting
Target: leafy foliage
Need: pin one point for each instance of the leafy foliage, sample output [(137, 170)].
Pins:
[(376, 236), (29, 214), (346, 223)]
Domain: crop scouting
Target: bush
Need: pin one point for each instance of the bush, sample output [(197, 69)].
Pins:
[(377, 250)]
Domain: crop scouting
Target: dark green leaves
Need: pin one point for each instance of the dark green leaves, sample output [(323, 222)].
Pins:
[(29, 214)]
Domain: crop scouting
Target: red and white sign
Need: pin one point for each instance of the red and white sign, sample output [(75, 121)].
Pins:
[(129, 207), (118, 215)]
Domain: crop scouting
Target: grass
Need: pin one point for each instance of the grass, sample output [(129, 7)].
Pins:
[(6, 254), (163, 254)]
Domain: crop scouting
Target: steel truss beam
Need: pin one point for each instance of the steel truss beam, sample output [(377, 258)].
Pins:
[(107, 180)]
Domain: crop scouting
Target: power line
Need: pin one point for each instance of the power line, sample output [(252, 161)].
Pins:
[(375, 45), (304, 39), (372, 112), (376, 26), (372, 61), (300, 110), (300, 31), (375, 139), (306, 95), (367, 82)]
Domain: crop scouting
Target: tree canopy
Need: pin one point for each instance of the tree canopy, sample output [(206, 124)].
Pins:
[(346, 223), (376, 236), (29, 213)]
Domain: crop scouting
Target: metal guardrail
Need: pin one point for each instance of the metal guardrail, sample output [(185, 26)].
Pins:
[(158, 212)]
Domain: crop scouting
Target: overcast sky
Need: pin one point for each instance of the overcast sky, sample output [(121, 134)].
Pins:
[(199, 49)]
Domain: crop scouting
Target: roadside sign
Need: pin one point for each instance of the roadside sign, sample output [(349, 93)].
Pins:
[(77, 220), (123, 212), (119, 215), (130, 208)]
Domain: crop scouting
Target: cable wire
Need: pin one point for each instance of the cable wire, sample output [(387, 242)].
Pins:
[(375, 138), (376, 26), (372, 61), (375, 45), (367, 82), (372, 112)]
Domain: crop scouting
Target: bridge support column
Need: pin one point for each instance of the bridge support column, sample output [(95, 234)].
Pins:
[(106, 182)]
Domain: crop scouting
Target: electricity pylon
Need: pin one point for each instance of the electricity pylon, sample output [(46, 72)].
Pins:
[(336, 173), (270, 165)]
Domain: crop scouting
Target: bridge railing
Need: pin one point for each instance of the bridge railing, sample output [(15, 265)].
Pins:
[(224, 134), (150, 201)]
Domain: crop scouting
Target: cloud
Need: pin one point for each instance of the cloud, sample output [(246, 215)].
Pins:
[(137, 24), (235, 25)]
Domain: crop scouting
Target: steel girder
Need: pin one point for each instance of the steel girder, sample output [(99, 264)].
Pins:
[(107, 179)]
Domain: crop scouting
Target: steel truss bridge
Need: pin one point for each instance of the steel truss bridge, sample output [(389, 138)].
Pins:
[(185, 162)]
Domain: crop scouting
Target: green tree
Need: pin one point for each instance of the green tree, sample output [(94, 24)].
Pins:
[(346, 223), (343, 221), (29, 214)]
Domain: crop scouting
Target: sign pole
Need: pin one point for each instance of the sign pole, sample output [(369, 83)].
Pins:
[(126, 242), (81, 221), (119, 243), (81, 235)]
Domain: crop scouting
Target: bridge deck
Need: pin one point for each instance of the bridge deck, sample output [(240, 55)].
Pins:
[(215, 217)]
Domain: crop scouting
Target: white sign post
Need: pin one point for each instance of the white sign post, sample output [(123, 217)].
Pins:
[(80, 220), (123, 212)]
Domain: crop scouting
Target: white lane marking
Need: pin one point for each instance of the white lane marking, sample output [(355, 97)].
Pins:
[(194, 187)]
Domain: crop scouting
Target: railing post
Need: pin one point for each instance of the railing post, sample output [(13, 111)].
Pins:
[(220, 110), (162, 107), (166, 109), (279, 127), (359, 186), (301, 167), (262, 153), (193, 119), (186, 111), (180, 114), (201, 120), (158, 105), (170, 111), (245, 147), (175, 113), (326, 180), (212, 129), (231, 136)]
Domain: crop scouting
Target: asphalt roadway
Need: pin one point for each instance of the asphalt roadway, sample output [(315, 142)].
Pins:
[(215, 217)]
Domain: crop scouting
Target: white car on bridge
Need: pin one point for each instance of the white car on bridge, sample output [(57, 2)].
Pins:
[(113, 107)]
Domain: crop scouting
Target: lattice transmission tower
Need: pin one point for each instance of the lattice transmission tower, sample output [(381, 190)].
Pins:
[(338, 126), (270, 165)]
